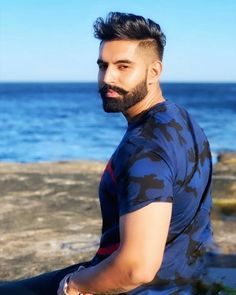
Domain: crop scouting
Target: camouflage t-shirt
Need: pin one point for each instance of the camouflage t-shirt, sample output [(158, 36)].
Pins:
[(164, 156)]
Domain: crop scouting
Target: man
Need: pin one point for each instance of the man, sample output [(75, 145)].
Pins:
[(155, 191)]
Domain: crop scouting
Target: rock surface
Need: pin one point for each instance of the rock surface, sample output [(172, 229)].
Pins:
[(224, 189), (224, 176), (50, 214)]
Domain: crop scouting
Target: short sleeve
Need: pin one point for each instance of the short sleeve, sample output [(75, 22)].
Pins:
[(146, 178)]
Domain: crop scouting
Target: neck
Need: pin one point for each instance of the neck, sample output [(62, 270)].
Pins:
[(152, 98)]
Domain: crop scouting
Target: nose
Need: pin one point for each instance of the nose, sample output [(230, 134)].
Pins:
[(108, 75)]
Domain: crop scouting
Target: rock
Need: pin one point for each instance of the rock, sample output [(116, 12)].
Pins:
[(224, 177), (50, 214), (227, 159)]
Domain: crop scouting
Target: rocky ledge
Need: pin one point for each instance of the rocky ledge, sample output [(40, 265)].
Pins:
[(50, 214)]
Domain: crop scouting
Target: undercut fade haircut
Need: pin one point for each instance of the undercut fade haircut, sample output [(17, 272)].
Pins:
[(127, 26)]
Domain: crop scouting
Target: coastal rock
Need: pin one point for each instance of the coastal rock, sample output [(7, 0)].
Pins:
[(224, 177), (50, 214)]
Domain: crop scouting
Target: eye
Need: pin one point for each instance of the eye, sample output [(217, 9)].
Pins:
[(123, 67), (102, 67)]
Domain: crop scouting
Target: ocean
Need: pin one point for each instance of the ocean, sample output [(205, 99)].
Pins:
[(65, 121)]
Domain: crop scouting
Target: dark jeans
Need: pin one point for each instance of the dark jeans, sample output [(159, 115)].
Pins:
[(44, 284)]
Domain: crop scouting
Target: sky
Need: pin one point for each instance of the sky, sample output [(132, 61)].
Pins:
[(52, 40)]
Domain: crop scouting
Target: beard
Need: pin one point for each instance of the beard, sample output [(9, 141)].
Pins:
[(126, 99)]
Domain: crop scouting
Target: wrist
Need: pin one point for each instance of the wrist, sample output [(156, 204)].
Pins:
[(66, 284), (69, 288)]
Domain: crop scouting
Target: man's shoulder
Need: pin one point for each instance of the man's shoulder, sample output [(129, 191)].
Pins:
[(138, 149)]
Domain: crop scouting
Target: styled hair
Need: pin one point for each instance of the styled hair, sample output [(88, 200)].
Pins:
[(127, 26)]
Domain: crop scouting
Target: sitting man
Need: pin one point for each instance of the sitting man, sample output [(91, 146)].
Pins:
[(155, 191)]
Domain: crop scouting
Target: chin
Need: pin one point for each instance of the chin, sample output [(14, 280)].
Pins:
[(112, 105), (108, 109)]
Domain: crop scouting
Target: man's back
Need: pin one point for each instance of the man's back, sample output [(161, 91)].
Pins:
[(163, 157)]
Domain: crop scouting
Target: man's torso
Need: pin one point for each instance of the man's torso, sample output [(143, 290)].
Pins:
[(163, 157)]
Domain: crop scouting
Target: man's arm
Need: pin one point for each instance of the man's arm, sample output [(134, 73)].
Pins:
[(143, 235)]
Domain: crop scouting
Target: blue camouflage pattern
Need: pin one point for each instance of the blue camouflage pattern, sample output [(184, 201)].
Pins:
[(164, 156)]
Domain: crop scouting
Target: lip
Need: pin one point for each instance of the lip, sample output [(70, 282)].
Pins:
[(111, 93)]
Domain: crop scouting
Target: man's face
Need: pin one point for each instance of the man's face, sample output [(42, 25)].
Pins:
[(122, 76)]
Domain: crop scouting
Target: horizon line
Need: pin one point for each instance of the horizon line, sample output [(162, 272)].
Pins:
[(94, 81)]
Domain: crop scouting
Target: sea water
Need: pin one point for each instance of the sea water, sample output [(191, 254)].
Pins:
[(65, 121)]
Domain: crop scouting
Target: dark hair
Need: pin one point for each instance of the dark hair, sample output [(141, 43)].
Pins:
[(127, 26)]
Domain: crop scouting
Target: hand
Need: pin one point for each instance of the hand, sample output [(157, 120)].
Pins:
[(61, 290)]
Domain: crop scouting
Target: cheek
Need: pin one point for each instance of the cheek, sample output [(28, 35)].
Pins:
[(100, 77), (132, 78)]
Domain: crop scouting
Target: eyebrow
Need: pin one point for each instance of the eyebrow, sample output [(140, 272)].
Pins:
[(124, 61)]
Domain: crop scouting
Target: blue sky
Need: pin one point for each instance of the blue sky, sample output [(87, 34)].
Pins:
[(52, 40)]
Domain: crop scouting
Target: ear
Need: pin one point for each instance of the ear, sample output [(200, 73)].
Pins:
[(154, 72)]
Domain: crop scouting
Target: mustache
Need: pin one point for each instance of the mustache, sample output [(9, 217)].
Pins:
[(107, 87)]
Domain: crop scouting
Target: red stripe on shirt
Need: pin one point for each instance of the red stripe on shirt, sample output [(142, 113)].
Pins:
[(108, 250), (110, 171)]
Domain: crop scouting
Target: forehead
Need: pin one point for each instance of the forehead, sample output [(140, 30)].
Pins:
[(111, 51)]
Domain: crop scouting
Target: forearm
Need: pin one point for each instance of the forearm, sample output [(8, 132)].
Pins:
[(111, 276)]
